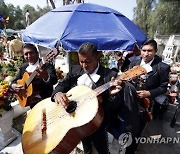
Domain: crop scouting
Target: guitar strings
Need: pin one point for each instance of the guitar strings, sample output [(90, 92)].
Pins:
[(50, 114), (87, 95), (80, 98), (83, 98), (80, 101)]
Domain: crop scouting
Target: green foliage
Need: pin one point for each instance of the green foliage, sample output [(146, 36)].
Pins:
[(1, 49), (35, 13), (17, 15), (143, 13), (167, 17), (104, 59), (3, 11), (158, 16), (10, 68)]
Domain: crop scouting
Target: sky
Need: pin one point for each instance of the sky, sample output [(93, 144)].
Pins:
[(123, 6)]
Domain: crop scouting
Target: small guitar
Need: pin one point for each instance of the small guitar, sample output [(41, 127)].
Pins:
[(27, 79), (51, 128)]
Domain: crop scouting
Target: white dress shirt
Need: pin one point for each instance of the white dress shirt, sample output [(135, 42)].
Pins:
[(85, 80)]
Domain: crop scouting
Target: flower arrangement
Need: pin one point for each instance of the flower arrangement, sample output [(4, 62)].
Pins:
[(8, 70), (6, 96), (9, 67)]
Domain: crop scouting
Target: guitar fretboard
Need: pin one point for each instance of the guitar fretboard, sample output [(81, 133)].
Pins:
[(102, 88), (32, 76), (127, 76)]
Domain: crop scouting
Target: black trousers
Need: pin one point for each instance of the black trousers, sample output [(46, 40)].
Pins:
[(99, 139)]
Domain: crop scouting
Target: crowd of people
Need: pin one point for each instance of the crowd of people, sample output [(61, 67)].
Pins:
[(128, 105)]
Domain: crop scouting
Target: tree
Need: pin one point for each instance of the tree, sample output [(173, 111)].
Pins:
[(165, 19), (35, 13), (143, 12), (3, 12), (158, 16), (18, 20)]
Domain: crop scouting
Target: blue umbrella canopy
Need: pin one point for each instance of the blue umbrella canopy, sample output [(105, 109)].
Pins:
[(72, 25)]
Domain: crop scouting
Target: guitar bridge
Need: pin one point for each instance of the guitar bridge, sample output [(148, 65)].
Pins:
[(43, 124)]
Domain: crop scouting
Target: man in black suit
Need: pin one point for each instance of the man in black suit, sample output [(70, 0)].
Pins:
[(92, 74), (44, 80), (155, 83)]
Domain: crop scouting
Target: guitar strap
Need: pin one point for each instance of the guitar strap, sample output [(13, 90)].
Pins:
[(94, 84), (101, 76)]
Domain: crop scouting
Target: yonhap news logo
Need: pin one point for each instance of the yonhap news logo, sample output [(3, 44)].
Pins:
[(157, 140), (126, 139)]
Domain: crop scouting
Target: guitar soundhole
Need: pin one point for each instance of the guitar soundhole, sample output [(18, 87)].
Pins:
[(71, 107)]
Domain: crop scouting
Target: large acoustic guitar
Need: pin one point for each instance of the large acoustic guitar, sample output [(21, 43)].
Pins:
[(51, 128), (27, 92)]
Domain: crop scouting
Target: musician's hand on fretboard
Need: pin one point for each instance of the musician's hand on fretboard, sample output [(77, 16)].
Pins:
[(42, 73), (115, 86)]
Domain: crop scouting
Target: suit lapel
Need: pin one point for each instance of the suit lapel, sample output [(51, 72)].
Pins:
[(154, 66)]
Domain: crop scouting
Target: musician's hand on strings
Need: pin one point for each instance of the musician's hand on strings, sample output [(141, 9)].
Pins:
[(16, 87), (143, 93), (62, 98), (42, 73), (115, 86)]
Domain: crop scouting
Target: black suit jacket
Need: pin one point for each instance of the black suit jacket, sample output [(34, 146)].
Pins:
[(45, 88), (158, 79)]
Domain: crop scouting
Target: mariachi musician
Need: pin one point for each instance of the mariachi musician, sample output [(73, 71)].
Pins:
[(153, 85), (93, 75), (44, 80)]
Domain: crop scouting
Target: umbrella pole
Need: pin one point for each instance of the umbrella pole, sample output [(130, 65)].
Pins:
[(69, 60)]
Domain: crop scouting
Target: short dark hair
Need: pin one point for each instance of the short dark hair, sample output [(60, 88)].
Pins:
[(88, 47), (151, 42), (30, 46)]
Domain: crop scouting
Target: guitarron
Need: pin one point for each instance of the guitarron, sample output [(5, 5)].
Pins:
[(51, 128)]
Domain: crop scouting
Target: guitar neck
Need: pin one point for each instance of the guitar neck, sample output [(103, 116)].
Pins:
[(32, 76), (126, 76), (102, 88), (105, 86)]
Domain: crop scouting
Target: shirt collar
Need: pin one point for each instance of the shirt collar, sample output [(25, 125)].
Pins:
[(31, 67), (35, 64), (143, 62)]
